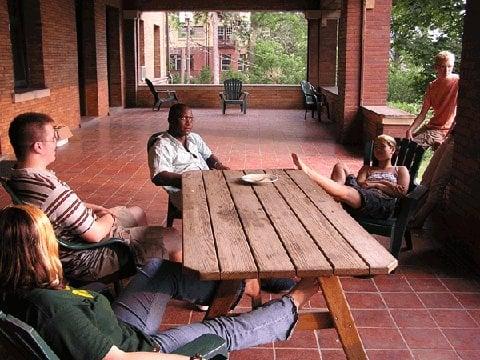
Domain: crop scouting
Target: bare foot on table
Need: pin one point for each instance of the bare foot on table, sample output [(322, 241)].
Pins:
[(298, 163)]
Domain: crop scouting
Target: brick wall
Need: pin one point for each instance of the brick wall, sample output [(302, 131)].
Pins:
[(206, 96), (351, 82), (59, 66), (462, 209), (327, 53), (150, 20)]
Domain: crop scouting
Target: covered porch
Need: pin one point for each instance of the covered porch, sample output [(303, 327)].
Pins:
[(428, 309)]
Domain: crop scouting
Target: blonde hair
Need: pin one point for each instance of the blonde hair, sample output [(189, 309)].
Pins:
[(28, 250), (444, 56), (386, 139)]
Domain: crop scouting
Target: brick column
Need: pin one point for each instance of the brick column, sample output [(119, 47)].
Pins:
[(94, 49), (114, 58), (361, 84), (462, 208), (327, 52), (130, 21), (313, 50)]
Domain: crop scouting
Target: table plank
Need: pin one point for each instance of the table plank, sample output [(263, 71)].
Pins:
[(197, 231), (303, 251), (337, 250), (314, 192), (374, 254), (270, 255), (234, 255)]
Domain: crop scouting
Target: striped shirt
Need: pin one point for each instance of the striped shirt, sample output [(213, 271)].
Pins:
[(68, 214)]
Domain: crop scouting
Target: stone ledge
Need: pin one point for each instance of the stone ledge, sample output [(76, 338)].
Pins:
[(30, 95), (379, 120)]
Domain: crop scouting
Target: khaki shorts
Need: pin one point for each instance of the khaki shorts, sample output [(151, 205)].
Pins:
[(91, 265), (427, 138)]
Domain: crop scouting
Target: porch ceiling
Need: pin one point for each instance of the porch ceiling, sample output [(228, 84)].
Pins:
[(241, 5)]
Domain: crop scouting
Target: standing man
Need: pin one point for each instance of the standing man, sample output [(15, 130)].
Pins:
[(34, 142), (441, 96), (177, 150)]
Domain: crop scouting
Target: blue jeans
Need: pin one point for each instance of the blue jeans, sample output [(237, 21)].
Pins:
[(143, 303)]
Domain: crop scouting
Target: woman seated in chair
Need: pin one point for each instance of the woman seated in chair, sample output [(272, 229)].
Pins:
[(374, 191), (81, 324)]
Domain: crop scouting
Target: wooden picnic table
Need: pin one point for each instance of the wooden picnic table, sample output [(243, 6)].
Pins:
[(292, 227)]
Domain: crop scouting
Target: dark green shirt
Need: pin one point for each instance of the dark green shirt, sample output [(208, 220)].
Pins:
[(76, 324)]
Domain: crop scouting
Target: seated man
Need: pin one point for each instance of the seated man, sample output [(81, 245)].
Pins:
[(373, 192), (178, 150), (441, 96), (33, 140)]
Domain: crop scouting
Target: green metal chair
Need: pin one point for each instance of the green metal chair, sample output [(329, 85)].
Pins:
[(310, 99), (126, 259), (19, 341), (233, 94), (408, 154), (172, 212)]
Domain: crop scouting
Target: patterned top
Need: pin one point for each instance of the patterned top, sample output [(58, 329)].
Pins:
[(67, 213), (381, 175), (169, 154)]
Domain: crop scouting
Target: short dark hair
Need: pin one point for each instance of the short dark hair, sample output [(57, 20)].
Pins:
[(176, 112), (26, 129)]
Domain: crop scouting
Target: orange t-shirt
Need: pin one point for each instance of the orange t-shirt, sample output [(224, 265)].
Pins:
[(442, 95)]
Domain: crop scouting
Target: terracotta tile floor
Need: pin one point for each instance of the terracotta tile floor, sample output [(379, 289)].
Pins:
[(428, 309)]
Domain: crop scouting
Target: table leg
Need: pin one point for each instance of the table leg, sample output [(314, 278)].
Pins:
[(342, 317), (224, 298)]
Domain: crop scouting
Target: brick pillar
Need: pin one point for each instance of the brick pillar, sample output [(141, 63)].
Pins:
[(130, 55), (462, 210), (114, 58), (355, 88), (94, 49), (313, 51), (327, 52)]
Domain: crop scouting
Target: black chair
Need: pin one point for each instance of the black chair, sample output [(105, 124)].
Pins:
[(322, 102), (172, 212), (126, 259), (20, 341), (233, 94), (408, 154), (310, 99), (170, 96)]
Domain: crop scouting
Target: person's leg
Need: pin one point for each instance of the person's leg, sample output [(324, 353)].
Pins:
[(340, 172), (129, 216), (139, 215), (343, 193), (143, 302), (270, 322)]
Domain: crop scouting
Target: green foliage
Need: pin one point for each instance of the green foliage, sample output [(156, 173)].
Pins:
[(412, 108), (405, 83), (176, 79), (232, 74), (279, 49), (420, 29), (205, 76)]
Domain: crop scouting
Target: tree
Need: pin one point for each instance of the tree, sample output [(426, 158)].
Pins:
[(279, 49)]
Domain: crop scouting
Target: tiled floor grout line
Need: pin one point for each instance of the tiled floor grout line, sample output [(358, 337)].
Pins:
[(433, 318), (393, 319)]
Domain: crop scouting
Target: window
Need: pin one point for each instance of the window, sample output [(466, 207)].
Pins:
[(226, 60), (175, 62), (224, 33), (221, 33), (242, 62), (26, 40), (182, 32)]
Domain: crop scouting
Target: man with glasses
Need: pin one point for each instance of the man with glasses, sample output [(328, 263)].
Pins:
[(177, 150), (34, 142)]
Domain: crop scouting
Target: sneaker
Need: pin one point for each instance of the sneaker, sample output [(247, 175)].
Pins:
[(203, 308), (277, 285)]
